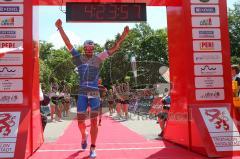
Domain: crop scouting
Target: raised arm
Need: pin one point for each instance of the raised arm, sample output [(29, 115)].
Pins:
[(116, 46), (63, 34)]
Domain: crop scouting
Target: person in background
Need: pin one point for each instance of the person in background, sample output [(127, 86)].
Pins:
[(59, 107), (110, 99), (44, 101), (236, 80), (66, 103), (117, 92), (103, 103), (163, 114), (53, 100), (125, 98)]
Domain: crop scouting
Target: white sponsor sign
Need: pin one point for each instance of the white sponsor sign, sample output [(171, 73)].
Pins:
[(11, 46), (11, 71), (207, 58), (11, 59), (11, 98), (9, 123), (208, 70), (207, 45), (204, 1), (7, 150), (11, 34), (11, 85), (11, 9), (206, 33), (205, 21), (205, 10), (11, 21), (221, 128), (8, 1), (210, 94), (209, 82)]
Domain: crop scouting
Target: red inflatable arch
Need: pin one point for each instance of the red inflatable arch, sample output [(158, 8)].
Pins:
[(202, 116)]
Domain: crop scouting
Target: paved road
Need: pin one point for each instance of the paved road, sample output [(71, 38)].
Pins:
[(142, 125)]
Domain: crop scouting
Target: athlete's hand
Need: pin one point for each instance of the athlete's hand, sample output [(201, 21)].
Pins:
[(58, 23), (126, 31)]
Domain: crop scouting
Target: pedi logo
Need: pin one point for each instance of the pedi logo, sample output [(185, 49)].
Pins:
[(209, 45)]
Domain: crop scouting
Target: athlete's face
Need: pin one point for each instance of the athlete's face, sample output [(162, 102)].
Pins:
[(89, 49)]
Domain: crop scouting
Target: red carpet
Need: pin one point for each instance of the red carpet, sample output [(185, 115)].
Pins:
[(115, 141)]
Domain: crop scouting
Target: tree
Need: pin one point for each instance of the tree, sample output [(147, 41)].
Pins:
[(56, 67), (150, 48), (45, 50), (234, 29)]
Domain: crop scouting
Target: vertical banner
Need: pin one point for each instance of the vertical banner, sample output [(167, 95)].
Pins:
[(200, 73)]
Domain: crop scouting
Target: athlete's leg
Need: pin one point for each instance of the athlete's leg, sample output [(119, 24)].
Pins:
[(100, 114), (125, 109), (94, 104), (118, 109), (81, 115), (52, 109)]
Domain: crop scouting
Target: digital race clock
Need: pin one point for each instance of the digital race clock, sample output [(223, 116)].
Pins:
[(105, 12)]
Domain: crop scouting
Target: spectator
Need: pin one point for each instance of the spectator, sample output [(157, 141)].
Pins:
[(44, 101), (236, 80), (163, 114)]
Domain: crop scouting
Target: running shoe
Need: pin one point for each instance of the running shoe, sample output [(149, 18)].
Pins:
[(92, 153), (84, 144)]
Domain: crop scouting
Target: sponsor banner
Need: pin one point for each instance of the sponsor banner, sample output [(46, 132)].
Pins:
[(11, 34), (207, 58), (207, 45), (9, 123), (209, 82), (210, 94), (221, 128), (208, 70), (9, 1), (11, 59), (11, 9), (11, 98), (204, 1), (205, 21), (205, 10), (11, 71), (11, 85), (204, 33), (11, 21), (11, 46)]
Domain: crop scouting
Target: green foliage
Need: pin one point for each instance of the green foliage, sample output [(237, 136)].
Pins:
[(234, 29), (235, 60), (56, 67), (150, 48)]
